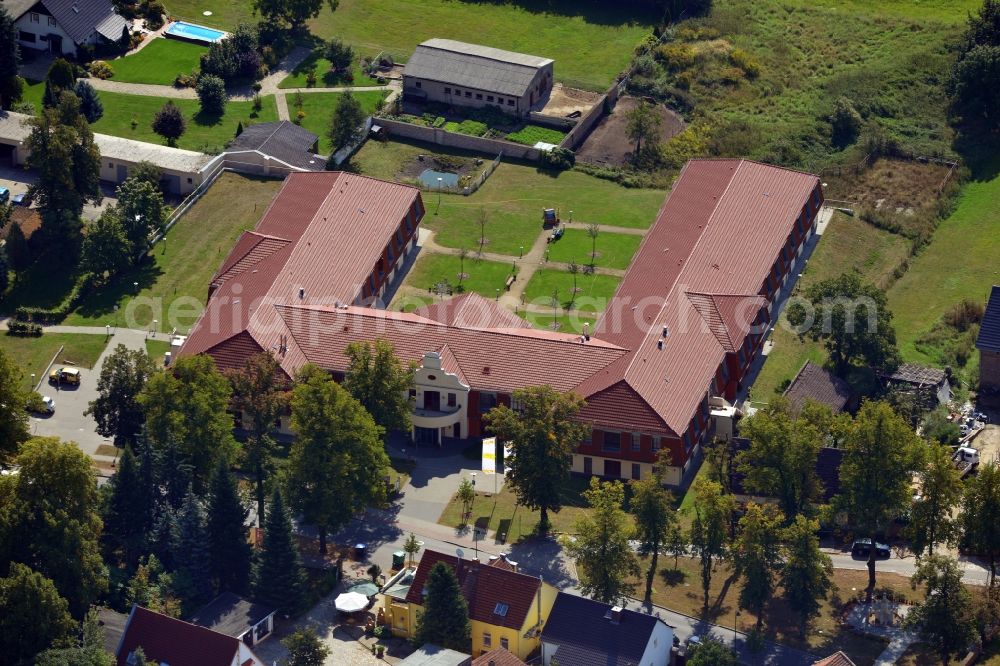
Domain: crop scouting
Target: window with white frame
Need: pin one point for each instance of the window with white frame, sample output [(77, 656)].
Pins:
[(487, 639)]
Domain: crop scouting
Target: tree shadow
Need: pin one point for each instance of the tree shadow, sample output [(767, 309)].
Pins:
[(672, 577), (591, 11), (102, 300), (543, 557), (208, 119)]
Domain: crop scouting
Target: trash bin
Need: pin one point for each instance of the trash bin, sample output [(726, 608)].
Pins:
[(360, 550), (398, 560)]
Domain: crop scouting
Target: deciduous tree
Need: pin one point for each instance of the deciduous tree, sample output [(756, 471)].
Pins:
[(445, 620), (712, 652), (32, 615), (945, 617), (805, 575), (339, 54), (655, 518), (931, 517), (604, 559), (980, 508), (467, 496), (304, 649), (116, 409), (13, 396), (975, 80), (142, 213), (227, 532), (756, 557), (543, 433), (88, 651), (291, 12), (61, 77), (346, 123), (211, 94), (279, 579), (380, 382), (169, 123), (643, 124), (411, 547), (106, 249), (710, 527)]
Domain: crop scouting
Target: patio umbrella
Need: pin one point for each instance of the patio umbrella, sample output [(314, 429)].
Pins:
[(366, 588), (351, 602)]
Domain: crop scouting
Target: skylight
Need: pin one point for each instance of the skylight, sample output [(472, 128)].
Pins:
[(501, 610)]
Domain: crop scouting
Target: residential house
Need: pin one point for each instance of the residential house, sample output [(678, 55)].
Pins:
[(584, 632), (678, 336), (497, 657), (232, 615), (60, 27), (835, 659), (165, 640), (988, 344), (275, 149), (460, 74), (929, 386), (435, 655), (507, 609), (112, 624), (815, 383)]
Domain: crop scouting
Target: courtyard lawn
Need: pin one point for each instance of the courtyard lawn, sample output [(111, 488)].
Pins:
[(529, 135), (173, 284), (613, 250), (204, 133), (593, 291), (33, 354), (483, 277), (512, 198), (319, 107), (591, 41), (324, 77), (157, 349), (158, 62)]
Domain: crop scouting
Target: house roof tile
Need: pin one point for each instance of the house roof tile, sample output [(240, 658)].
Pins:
[(497, 657), (231, 614), (166, 640), (82, 18), (820, 385), (474, 66)]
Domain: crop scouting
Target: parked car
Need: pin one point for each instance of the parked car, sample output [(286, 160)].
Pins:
[(862, 547), (23, 199), (65, 375), (4, 194), (41, 404), (48, 404)]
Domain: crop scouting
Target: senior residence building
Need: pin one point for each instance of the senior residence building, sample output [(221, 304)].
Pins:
[(674, 343)]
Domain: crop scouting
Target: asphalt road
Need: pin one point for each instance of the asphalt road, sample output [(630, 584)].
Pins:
[(973, 572)]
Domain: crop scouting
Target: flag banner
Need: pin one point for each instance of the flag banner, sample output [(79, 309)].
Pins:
[(489, 455)]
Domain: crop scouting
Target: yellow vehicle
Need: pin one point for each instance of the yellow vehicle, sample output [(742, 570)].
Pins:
[(65, 375)]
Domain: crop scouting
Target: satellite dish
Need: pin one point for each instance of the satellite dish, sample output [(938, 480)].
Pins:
[(460, 552)]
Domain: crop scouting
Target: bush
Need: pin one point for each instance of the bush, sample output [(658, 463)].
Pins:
[(236, 56), (559, 158), (845, 123), (300, 115), (186, 80), (439, 121), (746, 62), (84, 284), (963, 315), (674, 56), (23, 328), (169, 122), (311, 78), (339, 54), (26, 108), (100, 69), (212, 94)]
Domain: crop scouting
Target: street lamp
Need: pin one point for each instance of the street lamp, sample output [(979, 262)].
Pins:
[(735, 621), (155, 327), (521, 256), (498, 294), (440, 185), (32, 381)]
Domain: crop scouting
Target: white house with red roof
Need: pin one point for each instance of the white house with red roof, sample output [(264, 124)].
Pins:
[(165, 640)]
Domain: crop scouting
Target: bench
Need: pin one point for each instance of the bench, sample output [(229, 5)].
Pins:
[(510, 281)]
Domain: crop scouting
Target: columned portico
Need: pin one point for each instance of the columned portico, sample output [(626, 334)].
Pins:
[(439, 399)]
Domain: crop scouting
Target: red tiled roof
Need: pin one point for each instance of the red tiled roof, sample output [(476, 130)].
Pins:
[(470, 310), (175, 642), (484, 587), (497, 657), (835, 659)]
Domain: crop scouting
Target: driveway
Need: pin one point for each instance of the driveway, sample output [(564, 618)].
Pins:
[(17, 180)]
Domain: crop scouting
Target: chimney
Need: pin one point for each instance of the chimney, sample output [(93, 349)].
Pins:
[(659, 343), (666, 330), (302, 292), (616, 614)]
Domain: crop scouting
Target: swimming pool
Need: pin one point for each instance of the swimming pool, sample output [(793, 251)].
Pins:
[(193, 33), (430, 178)]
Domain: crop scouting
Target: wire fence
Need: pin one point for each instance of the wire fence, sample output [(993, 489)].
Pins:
[(471, 186)]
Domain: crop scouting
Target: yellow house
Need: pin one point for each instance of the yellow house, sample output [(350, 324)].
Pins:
[(506, 609)]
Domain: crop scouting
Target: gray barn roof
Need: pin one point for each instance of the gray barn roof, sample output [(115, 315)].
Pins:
[(586, 636), (989, 330), (815, 383), (82, 18), (284, 141), (473, 66)]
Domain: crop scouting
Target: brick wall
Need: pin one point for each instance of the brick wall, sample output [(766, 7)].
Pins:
[(579, 133), (989, 371), (440, 137)]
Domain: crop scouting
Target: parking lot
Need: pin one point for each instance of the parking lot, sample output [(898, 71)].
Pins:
[(17, 180)]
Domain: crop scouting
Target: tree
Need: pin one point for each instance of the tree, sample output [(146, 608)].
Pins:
[(806, 574), (106, 249), (938, 427), (128, 518), (228, 547), (169, 123), (848, 337), (17, 249), (235, 57), (67, 160), (291, 12), (845, 123), (604, 559), (4, 270), (211, 94), (337, 461), (147, 172), (655, 519), (574, 269), (676, 543), (467, 496), (945, 617), (116, 408), (279, 579), (11, 85), (192, 556), (32, 615), (712, 652), (411, 547), (61, 77), (380, 382), (50, 513), (980, 508), (152, 587), (931, 519), (756, 557), (543, 433), (304, 649), (88, 651), (445, 620), (976, 73), (142, 213), (258, 392), (709, 528), (781, 460), (463, 254), (339, 54), (13, 396), (880, 456), (189, 405), (643, 124), (90, 103), (593, 230), (347, 122)]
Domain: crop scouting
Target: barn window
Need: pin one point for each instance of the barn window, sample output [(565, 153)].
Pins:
[(612, 441), (479, 95), (419, 85), (510, 102), (468, 94), (447, 90), (489, 98)]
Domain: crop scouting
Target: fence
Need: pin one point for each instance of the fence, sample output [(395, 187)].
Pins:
[(441, 137), (584, 125), (213, 169), (466, 190)]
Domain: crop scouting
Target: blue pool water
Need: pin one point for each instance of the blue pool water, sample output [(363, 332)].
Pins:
[(195, 32), (429, 177)]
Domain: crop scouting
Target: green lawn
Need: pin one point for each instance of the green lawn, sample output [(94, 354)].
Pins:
[(157, 349), (532, 134), (568, 323), (591, 41), (324, 77), (484, 277), (158, 62), (613, 250), (319, 107), (173, 286), (593, 293), (943, 11), (33, 91), (513, 199), (204, 133), (33, 354)]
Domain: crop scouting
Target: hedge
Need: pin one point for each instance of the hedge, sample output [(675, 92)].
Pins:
[(23, 328), (80, 289)]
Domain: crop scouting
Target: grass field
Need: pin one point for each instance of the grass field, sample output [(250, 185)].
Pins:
[(591, 41), (33, 354), (483, 277), (613, 250), (319, 107), (513, 199), (174, 285), (158, 62), (204, 133), (532, 134), (157, 349), (324, 77), (593, 291)]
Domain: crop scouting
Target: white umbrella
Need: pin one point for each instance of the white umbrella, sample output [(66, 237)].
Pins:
[(351, 602)]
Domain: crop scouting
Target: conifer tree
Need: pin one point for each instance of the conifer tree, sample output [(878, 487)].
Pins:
[(279, 579), (124, 523), (192, 558), (227, 534), (445, 620)]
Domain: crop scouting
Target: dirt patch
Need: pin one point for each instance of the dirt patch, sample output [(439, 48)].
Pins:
[(463, 166), (987, 442), (608, 145), (563, 101), (889, 185)]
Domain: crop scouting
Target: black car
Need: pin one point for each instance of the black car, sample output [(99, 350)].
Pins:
[(22, 199), (862, 548)]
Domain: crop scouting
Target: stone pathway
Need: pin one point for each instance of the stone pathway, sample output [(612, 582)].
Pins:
[(899, 638)]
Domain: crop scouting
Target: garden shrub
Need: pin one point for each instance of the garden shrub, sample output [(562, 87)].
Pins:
[(439, 121), (84, 284), (100, 69), (674, 56), (559, 158), (212, 94), (23, 328)]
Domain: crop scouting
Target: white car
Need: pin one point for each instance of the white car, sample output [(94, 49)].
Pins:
[(50, 405)]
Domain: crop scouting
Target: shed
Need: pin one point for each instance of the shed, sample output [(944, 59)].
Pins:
[(819, 385), (293, 148)]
